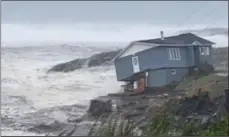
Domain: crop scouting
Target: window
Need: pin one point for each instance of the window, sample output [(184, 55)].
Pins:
[(174, 54), (196, 43), (135, 60), (204, 50), (173, 71), (135, 64)]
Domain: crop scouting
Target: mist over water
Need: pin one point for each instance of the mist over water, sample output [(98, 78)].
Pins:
[(28, 88), (29, 50), (84, 33)]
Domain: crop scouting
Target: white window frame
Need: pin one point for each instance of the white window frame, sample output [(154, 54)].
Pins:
[(174, 54), (204, 50), (173, 72), (135, 60), (196, 43), (135, 63)]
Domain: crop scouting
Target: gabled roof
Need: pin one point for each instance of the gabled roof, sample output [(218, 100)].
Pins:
[(187, 38)]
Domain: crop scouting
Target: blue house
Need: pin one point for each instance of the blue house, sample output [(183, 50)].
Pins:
[(163, 60)]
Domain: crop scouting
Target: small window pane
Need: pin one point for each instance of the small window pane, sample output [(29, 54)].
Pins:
[(135, 60), (174, 54), (204, 50), (173, 72)]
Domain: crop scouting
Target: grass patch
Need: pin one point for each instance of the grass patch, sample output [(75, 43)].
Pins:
[(219, 129), (212, 83), (114, 126)]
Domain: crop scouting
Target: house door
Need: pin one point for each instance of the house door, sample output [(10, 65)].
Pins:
[(135, 64)]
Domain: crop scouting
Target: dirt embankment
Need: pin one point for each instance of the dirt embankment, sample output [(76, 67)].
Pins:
[(202, 100)]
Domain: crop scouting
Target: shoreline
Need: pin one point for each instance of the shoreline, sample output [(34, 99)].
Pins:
[(133, 107), (139, 107)]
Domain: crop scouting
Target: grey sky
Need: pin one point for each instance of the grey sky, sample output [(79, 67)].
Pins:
[(175, 12)]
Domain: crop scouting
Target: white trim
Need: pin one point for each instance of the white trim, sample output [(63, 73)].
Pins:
[(174, 54), (134, 48), (196, 43), (145, 43), (135, 64), (123, 51), (156, 45), (204, 50)]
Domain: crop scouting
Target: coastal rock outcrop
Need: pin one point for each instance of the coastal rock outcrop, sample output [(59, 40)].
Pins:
[(104, 58), (100, 106)]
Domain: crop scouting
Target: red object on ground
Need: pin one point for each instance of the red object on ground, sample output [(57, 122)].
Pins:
[(139, 90)]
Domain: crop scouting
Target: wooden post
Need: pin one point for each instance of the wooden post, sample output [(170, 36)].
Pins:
[(146, 79)]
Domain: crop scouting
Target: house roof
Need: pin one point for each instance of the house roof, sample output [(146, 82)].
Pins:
[(187, 38)]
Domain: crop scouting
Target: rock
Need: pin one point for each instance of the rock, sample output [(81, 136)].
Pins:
[(205, 120), (68, 66), (75, 119), (75, 130), (99, 106), (104, 58), (82, 130), (132, 114), (165, 95), (200, 108), (47, 127)]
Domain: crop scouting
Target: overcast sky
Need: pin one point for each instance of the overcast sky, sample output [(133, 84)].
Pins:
[(164, 12), (49, 22)]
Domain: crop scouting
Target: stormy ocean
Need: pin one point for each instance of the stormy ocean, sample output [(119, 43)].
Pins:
[(30, 96)]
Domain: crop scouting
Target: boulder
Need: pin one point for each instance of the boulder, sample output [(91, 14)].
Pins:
[(47, 127), (100, 106), (68, 66), (75, 130), (104, 58)]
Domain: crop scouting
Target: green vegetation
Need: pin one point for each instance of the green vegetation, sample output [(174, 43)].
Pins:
[(113, 126), (219, 129), (166, 122), (161, 125), (212, 83)]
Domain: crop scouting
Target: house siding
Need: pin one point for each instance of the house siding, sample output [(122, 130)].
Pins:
[(136, 47), (180, 73), (156, 78), (163, 77), (206, 58), (198, 58), (191, 56), (123, 67), (194, 58), (153, 58), (156, 58)]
